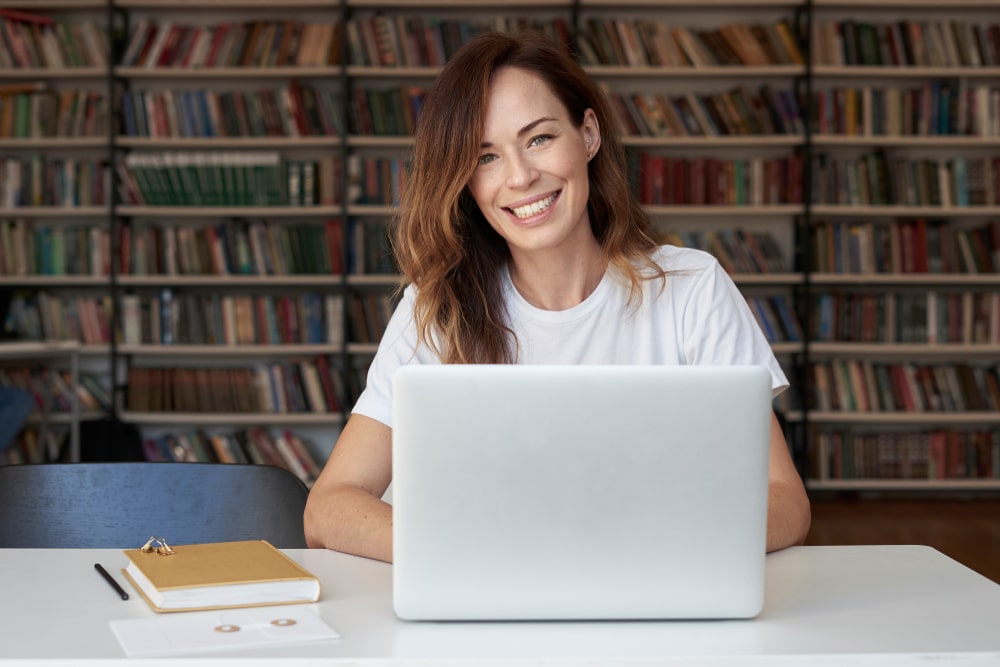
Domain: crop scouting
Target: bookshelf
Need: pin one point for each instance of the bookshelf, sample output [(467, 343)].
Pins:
[(784, 131), (920, 310)]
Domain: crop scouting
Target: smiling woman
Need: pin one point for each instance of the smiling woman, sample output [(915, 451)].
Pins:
[(520, 242)]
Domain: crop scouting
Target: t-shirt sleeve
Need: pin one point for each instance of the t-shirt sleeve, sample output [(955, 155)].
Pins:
[(720, 329), (397, 348)]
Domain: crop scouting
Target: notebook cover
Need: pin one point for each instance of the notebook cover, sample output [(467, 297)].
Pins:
[(217, 564)]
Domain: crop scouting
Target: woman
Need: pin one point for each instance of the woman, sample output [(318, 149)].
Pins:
[(522, 244)]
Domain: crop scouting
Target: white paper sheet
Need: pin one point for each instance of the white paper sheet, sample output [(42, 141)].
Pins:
[(225, 629)]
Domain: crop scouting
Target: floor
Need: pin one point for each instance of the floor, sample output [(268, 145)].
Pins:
[(967, 530)]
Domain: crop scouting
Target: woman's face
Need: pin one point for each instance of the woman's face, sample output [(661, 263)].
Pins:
[(531, 181)]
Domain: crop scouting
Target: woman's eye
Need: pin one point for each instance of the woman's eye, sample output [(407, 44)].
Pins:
[(486, 159), (539, 140)]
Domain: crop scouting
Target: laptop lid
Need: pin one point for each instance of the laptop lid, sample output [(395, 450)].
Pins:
[(579, 492)]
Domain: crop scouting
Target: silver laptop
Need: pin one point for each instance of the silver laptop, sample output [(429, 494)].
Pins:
[(579, 492)]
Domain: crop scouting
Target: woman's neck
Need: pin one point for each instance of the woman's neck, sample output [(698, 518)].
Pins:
[(558, 280)]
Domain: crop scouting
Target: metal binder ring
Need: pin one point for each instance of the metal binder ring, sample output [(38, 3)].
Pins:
[(283, 622), (227, 628)]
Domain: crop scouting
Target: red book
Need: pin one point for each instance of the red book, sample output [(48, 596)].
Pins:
[(332, 400), (217, 39), (26, 17)]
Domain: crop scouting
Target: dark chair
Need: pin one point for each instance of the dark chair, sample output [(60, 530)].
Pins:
[(121, 505)]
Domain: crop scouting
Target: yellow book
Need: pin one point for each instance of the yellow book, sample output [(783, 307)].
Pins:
[(219, 575)]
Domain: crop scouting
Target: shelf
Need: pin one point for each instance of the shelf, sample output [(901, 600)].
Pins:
[(217, 281), (259, 350), (47, 143), (373, 280), (36, 73), (229, 211), (296, 72), (904, 211), (952, 5), (767, 278), (725, 211), (906, 141), (905, 418), (722, 72), (190, 419), (54, 4), (893, 72), (713, 142), (912, 350), (920, 279), (55, 212), (65, 418), (696, 4), (230, 5), (220, 143), (55, 281), (902, 484), (362, 348)]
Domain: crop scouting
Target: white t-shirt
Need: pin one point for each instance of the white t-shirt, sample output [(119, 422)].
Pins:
[(699, 317)]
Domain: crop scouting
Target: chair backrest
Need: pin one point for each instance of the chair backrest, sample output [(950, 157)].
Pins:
[(121, 505)]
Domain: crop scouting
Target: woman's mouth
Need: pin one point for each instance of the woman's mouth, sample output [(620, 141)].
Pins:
[(534, 208)]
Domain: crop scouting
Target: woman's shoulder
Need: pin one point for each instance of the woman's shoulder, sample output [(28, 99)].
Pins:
[(675, 258)]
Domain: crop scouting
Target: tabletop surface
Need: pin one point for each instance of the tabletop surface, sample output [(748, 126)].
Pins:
[(888, 603)]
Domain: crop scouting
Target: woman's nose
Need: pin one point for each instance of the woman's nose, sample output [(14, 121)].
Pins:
[(520, 172)]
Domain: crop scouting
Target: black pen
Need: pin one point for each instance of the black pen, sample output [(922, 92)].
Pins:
[(108, 578)]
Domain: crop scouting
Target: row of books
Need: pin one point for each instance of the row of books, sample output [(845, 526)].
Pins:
[(907, 317), (381, 40), (368, 248), (42, 181), (852, 385), (29, 40), (31, 445), (309, 386), (874, 179), (937, 108), (369, 313), (385, 111), (664, 180), (930, 455), (291, 111), (235, 247), (173, 44), (29, 111), (53, 391), (732, 113), (376, 180), (284, 449), (173, 318), (648, 42), (45, 316), (738, 250), (38, 249), (226, 178), (776, 318), (916, 245), (935, 43)]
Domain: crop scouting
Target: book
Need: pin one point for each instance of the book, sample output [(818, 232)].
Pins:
[(219, 575)]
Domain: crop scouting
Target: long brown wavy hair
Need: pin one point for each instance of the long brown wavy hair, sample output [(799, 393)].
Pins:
[(443, 243)]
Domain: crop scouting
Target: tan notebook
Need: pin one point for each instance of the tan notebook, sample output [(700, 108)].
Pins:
[(219, 575)]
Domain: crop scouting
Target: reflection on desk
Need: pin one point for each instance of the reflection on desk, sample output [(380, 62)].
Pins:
[(884, 605)]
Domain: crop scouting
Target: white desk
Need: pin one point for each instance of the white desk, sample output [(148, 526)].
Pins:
[(878, 605)]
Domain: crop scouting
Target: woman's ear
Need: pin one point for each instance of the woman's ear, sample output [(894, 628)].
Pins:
[(591, 133)]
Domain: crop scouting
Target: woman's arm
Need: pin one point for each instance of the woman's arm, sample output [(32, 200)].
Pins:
[(345, 511), (788, 513)]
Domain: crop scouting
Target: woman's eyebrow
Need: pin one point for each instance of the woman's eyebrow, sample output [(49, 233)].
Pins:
[(524, 130)]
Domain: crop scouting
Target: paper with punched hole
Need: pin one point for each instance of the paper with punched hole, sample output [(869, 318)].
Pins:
[(220, 630)]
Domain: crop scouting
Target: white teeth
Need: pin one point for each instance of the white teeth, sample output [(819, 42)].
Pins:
[(534, 208)]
